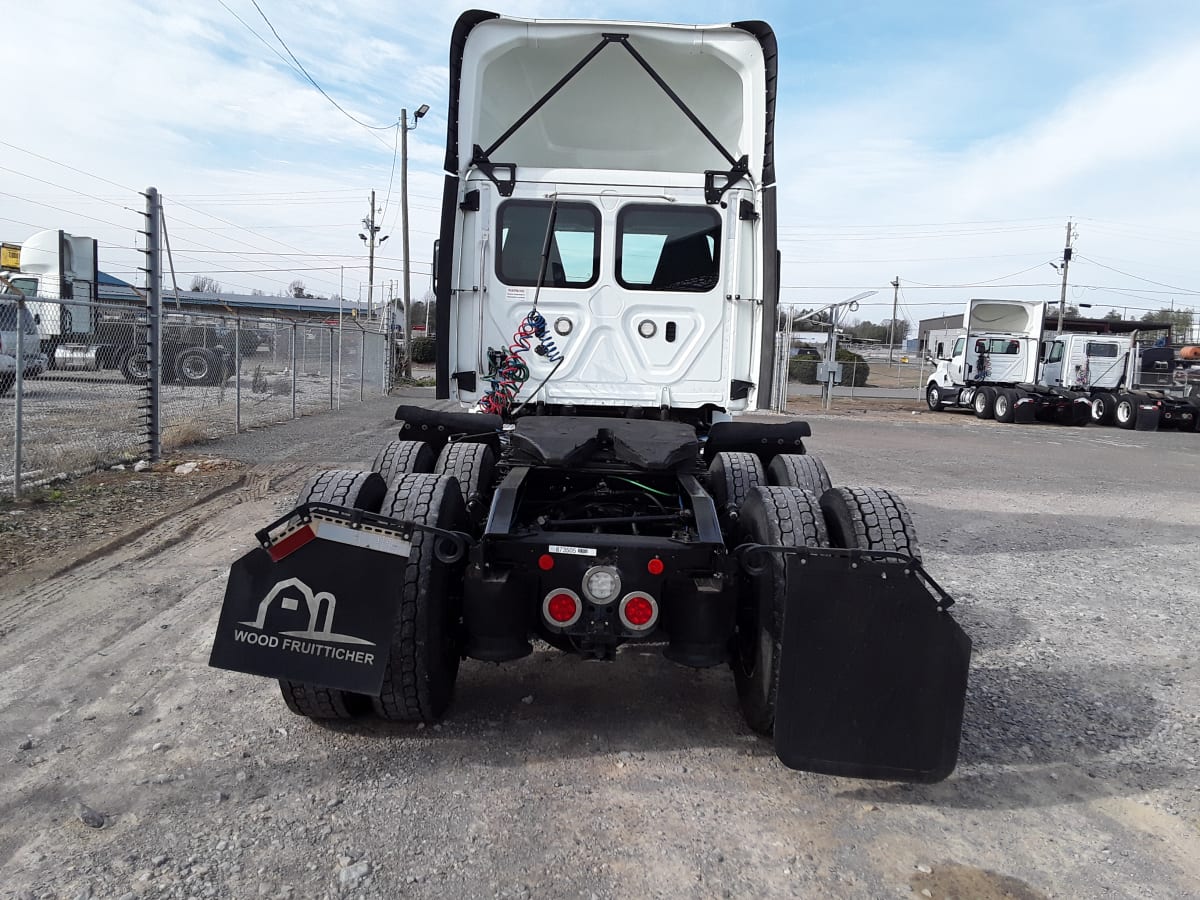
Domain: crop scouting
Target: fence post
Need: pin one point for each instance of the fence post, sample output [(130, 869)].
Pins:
[(237, 373), (329, 331), (362, 364), (293, 370), (154, 323), (18, 398)]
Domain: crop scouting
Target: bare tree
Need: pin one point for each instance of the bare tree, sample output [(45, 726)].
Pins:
[(205, 284)]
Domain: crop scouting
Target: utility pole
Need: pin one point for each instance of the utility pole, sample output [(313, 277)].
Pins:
[(370, 241), (892, 324), (1062, 297)]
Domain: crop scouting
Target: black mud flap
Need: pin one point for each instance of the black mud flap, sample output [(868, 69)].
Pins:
[(1024, 410), (873, 671), (316, 602)]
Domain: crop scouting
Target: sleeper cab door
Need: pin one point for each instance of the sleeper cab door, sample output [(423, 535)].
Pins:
[(957, 365), (1052, 368)]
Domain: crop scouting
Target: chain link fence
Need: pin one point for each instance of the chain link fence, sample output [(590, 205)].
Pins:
[(83, 398), (864, 372)]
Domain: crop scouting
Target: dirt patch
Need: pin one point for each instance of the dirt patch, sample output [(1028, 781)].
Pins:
[(857, 407), (967, 881), (55, 526)]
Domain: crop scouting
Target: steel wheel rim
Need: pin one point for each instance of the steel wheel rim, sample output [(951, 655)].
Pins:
[(194, 366)]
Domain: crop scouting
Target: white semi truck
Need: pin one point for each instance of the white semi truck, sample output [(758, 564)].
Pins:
[(607, 281), (998, 366), (58, 275), (1127, 385), (991, 366)]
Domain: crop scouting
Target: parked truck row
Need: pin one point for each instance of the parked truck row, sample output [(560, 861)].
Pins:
[(1001, 365)]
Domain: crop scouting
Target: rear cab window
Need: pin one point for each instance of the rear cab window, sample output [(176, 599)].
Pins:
[(667, 248), (1101, 349), (574, 258)]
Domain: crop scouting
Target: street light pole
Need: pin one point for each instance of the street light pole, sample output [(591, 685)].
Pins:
[(405, 128)]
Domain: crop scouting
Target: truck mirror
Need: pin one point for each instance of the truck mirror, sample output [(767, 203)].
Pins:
[(436, 246)]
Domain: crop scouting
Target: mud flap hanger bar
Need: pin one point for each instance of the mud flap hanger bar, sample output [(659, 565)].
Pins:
[(738, 168), (746, 556), (450, 547)]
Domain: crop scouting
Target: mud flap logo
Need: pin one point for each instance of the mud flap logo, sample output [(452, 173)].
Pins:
[(277, 620)]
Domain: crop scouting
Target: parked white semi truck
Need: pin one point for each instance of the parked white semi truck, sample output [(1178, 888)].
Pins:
[(992, 365), (998, 366), (607, 284), (58, 275), (1128, 385)]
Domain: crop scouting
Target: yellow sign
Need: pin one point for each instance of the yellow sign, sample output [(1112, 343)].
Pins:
[(10, 256)]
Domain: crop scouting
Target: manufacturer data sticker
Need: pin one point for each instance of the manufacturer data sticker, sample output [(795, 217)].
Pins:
[(573, 551), (514, 293)]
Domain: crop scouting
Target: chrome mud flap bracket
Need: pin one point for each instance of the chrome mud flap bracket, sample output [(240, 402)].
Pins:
[(873, 669), (316, 602)]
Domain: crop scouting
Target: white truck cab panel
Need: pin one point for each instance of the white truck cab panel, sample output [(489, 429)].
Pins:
[(1083, 361), (658, 281)]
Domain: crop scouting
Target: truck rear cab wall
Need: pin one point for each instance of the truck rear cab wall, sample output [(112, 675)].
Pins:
[(750, 136)]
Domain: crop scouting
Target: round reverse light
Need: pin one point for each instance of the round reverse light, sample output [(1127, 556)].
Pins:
[(647, 328), (563, 326), (601, 584)]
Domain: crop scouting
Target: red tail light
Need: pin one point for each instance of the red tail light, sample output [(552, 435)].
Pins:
[(562, 608), (638, 612), (655, 566)]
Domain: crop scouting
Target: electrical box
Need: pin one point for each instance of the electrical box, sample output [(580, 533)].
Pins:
[(824, 370)]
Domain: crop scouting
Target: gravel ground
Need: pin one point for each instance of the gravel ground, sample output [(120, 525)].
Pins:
[(1072, 553)]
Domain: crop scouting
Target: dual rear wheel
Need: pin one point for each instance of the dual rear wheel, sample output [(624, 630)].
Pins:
[(425, 648), (806, 514)]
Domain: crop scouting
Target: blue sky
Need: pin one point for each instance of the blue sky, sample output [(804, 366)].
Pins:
[(945, 143)]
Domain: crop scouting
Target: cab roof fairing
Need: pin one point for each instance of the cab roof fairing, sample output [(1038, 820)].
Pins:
[(610, 113)]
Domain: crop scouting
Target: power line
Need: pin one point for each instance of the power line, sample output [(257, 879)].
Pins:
[(68, 211), (72, 168), (1138, 277), (985, 282), (312, 80)]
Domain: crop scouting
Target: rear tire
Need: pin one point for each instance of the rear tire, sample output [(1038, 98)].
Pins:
[(1125, 412), (355, 490), (134, 366), (1104, 409), (793, 470), (869, 519), (403, 457), (731, 477), (472, 465), (426, 646), (1005, 405), (197, 366), (776, 516), (984, 403)]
